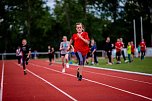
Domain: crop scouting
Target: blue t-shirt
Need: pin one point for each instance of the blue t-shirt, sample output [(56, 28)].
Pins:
[(93, 47)]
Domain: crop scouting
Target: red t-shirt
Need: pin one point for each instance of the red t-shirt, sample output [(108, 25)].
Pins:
[(143, 46), (122, 44), (132, 48), (79, 44), (118, 46)]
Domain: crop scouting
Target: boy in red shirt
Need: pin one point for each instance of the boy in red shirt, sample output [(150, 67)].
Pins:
[(132, 50), (118, 48), (143, 49), (81, 47)]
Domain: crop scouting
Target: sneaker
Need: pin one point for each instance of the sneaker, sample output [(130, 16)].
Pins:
[(67, 65), (26, 62), (25, 72), (80, 78), (87, 62), (63, 70), (126, 61), (109, 63), (118, 62)]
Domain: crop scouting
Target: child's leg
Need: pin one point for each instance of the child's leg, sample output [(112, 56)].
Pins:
[(95, 58), (67, 59), (62, 58), (129, 57), (92, 59), (81, 65), (63, 67), (24, 61)]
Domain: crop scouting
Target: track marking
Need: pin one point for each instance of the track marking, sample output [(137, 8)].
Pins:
[(2, 81), (139, 95), (119, 77), (109, 69), (72, 98), (122, 71)]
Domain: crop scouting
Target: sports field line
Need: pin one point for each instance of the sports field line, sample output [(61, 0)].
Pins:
[(139, 95), (118, 77), (2, 81), (114, 75), (69, 96), (123, 71)]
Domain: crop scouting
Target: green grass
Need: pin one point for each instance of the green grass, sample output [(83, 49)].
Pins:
[(137, 65)]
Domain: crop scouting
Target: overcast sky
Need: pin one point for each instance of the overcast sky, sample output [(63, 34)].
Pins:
[(50, 3)]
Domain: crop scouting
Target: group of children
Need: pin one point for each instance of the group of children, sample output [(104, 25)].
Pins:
[(119, 47), (80, 48)]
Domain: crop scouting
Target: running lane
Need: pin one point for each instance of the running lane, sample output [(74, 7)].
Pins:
[(88, 89), (18, 87)]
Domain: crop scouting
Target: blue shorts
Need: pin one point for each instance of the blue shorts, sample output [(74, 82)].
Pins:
[(81, 59)]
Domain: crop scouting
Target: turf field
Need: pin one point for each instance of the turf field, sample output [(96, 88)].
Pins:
[(137, 65)]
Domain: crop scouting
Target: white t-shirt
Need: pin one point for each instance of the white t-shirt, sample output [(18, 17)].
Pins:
[(64, 45)]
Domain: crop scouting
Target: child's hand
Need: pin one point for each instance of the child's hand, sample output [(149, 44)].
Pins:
[(79, 35)]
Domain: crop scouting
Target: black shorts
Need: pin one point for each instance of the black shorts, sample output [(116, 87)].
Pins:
[(63, 54)]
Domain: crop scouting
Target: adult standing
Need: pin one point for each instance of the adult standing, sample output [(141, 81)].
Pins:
[(108, 49), (143, 48)]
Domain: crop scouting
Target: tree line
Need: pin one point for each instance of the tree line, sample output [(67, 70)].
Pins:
[(31, 19)]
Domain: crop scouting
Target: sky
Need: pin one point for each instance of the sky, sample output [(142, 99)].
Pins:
[(50, 3)]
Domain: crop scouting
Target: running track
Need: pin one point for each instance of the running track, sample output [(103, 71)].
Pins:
[(47, 83)]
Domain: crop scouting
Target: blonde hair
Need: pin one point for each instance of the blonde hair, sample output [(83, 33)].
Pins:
[(65, 37)]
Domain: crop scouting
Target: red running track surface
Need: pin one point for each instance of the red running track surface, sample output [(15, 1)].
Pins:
[(47, 83)]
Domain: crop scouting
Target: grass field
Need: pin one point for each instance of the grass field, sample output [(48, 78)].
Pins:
[(137, 65)]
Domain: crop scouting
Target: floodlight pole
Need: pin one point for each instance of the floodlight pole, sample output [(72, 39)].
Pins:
[(141, 27), (134, 32)]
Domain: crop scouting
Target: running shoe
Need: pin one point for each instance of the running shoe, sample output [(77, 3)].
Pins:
[(126, 61), (80, 78), (67, 65), (25, 72), (63, 70)]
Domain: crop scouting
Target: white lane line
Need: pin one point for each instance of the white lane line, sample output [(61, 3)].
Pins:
[(139, 95), (122, 71), (72, 98), (2, 81), (119, 77), (110, 69)]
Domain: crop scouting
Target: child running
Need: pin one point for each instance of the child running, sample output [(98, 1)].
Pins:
[(19, 54), (64, 52), (26, 52), (81, 47), (51, 54)]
